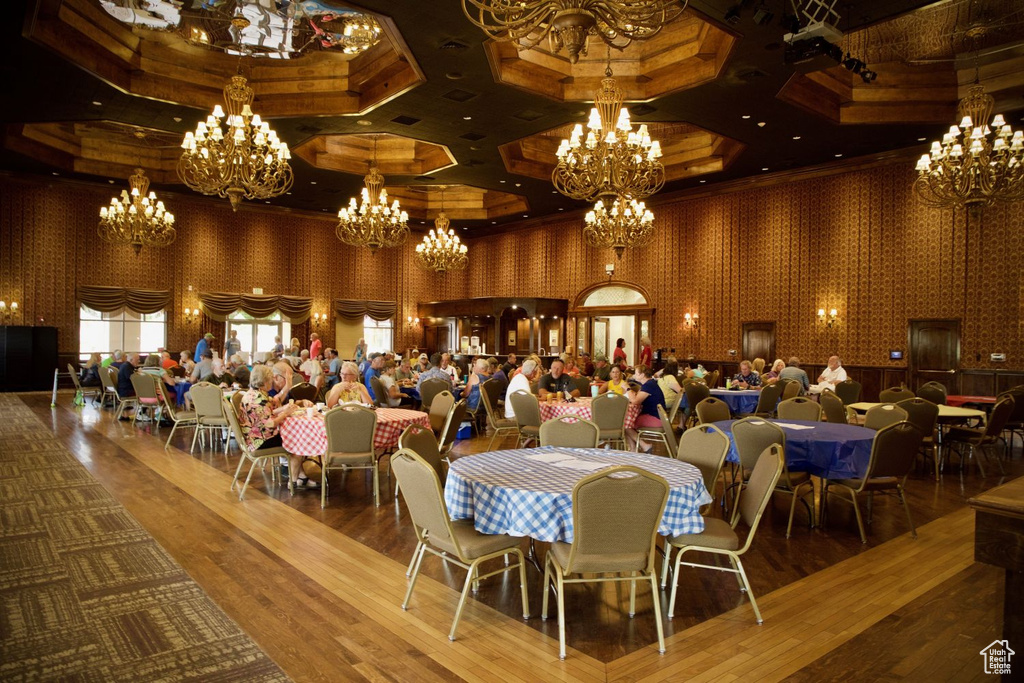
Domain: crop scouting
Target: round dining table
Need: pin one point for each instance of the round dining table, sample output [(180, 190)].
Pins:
[(528, 492), (582, 408), (827, 450), (305, 434), (738, 400)]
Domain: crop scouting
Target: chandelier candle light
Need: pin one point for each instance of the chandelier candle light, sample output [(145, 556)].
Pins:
[(137, 218), (612, 159), (627, 223), (372, 223), (975, 164), (245, 160), (570, 23), (441, 250)]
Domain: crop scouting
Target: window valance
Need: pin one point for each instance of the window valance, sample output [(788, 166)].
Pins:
[(107, 299), (219, 305), (350, 309)]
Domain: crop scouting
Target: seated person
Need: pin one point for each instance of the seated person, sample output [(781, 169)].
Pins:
[(422, 364), (349, 389), (166, 362), (668, 380), (263, 415), (773, 375), (125, 389), (90, 375), (203, 368), (240, 370), (794, 371), (435, 372), (602, 371), (616, 383), (648, 397), (746, 378), (557, 381), (151, 366), (311, 369), (387, 378), (449, 367), (498, 375), (585, 364), (404, 371), (521, 382), (219, 375), (571, 368), (830, 376), (480, 374)]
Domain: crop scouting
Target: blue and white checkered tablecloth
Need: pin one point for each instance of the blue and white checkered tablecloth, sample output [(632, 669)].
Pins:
[(504, 492)]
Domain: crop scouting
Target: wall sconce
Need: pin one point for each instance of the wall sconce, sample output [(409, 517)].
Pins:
[(191, 315), (691, 321), (319, 318), (412, 321), (8, 313), (827, 320)]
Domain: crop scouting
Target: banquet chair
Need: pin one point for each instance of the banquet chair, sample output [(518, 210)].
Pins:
[(500, 425), (893, 452), (670, 433), (609, 414), (711, 410), (177, 371), (236, 403), (108, 380), (800, 408), (456, 416), (894, 394), (455, 542), (835, 411), (705, 447), (673, 410), (569, 431), (430, 389), (934, 392), (527, 416), (720, 538), (583, 385), (764, 378), (982, 438), (791, 389), (924, 415), (615, 528), (440, 406), (208, 401), (146, 396), (883, 415), (695, 393), (380, 393), (180, 418), (350, 431), (766, 401), (422, 441), (303, 391), (254, 456), (711, 379), (1015, 422), (95, 392), (849, 391)]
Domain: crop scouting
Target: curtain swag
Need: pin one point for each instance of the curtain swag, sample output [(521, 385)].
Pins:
[(350, 309), (107, 299), (219, 305)]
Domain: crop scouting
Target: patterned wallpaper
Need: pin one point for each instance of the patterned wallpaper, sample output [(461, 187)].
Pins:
[(857, 241)]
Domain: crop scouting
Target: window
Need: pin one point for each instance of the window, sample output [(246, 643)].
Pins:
[(378, 335), (258, 335), (124, 329)]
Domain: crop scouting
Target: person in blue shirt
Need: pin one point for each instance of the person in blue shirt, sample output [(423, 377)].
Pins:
[(202, 346), (376, 364)]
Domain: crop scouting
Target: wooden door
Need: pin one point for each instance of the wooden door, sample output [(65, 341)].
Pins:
[(935, 353), (600, 337), (759, 342)]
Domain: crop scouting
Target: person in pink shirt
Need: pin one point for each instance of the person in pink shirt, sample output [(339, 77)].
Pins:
[(314, 346)]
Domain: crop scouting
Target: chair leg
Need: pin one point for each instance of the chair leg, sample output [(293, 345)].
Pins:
[(981, 467), (418, 560), (234, 482), (906, 509), (664, 565), (545, 589), (656, 599), (675, 584), (323, 492), (376, 491), (750, 593), (792, 511), (195, 435), (632, 596), (470, 575), (860, 521), (241, 494), (522, 582), (561, 615), (412, 560), (170, 436)]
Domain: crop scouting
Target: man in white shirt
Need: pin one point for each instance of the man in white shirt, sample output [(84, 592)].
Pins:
[(311, 368), (520, 382), (830, 377)]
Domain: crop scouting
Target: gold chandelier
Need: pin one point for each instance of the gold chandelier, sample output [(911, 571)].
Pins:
[(372, 223), (627, 223), (137, 218), (361, 32), (441, 250), (570, 23), (613, 159), (245, 161), (975, 164)]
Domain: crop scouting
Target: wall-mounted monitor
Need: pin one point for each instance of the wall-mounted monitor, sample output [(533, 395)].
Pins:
[(895, 355)]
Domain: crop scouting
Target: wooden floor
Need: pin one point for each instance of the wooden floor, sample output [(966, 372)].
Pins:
[(319, 590)]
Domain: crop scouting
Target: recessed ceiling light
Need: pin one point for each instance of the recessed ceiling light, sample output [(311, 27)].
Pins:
[(97, 103), (55, 173), (287, 192), (921, 139), (765, 168), (312, 182), (177, 119), (465, 228), (561, 208), (501, 181), (519, 184), (838, 155), (796, 137), (494, 222), (746, 116), (703, 181), (554, 191), (526, 215), (761, 124), (111, 182), (364, 122), (267, 201), (467, 118)]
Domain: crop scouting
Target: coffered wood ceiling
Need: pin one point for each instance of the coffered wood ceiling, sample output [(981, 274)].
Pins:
[(454, 109)]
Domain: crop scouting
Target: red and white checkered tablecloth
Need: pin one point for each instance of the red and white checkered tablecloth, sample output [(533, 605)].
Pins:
[(302, 435), (583, 409)]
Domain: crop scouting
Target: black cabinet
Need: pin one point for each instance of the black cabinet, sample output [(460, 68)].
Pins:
[(28, 357)]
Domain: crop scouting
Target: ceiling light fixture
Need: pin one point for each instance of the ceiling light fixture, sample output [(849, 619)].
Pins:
[(612, 160), (372, 223), (137, 218), (441, 250), (627, 223), (571, 23), (247, 161)]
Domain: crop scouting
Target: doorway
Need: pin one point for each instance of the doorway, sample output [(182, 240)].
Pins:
[(935, 353), (759, 341), (606, 312)]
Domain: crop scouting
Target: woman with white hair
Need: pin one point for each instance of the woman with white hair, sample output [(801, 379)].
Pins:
[(773, 375), (478, 375), (263, 415), (349, 389)]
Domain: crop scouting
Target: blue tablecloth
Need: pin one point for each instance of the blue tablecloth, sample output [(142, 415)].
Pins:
[(182, 388), (739, 401), (506, 492), (831, 451), (411, 392)]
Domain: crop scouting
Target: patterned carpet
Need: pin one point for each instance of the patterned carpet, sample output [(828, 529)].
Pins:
[(85, 592)]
